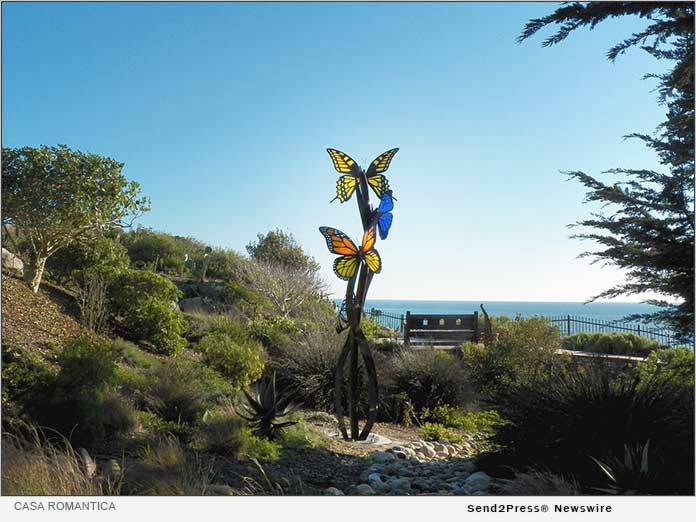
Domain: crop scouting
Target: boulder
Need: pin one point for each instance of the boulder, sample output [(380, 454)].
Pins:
[(364, 490), (12, 263), (382, 457), (478, 481), (332, 491), (195, 304)]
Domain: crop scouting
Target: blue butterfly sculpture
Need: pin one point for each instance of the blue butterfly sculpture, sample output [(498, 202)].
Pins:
[(383, 215)]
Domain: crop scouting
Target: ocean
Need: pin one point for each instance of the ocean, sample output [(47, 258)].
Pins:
[(602, 311), (605, 311)]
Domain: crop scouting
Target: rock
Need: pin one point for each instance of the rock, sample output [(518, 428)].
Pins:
[(88, 466), (195, 304), (399, 485), (382, 457), (374, 477), (332, 491), (428, 451), (478, 481), (400, 454), (12, 263), (364, 490), (219, 490), (112, 470)]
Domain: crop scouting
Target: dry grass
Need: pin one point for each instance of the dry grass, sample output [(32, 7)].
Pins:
[(33, 467), (537, 483), (166, 469)]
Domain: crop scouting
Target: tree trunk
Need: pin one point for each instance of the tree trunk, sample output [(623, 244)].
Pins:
[(33, 271)]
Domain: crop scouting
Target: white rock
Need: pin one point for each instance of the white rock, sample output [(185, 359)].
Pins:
[(478, 481), (382, 457)]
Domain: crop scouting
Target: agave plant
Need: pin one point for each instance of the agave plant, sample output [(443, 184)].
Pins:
[(266, 407), (632, 476)]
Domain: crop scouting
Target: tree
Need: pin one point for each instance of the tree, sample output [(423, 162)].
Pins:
[(55, 196), (650, 230), (277, 247)]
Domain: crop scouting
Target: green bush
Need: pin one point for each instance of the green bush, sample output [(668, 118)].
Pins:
[(485, 422), (675, 365), (429, 378), (240, 360), (435, 432), (22, 373), (611, 343), (69, 265), (223, 263), (183, 389), (373, 330), (140, 303), (558, 423), (155, 250), (275, 331), (80, 401), (521, 350), (133, 355)]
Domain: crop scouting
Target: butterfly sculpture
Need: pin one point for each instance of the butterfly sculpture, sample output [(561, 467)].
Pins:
[(346, 266), (383, 216), (345, 186)]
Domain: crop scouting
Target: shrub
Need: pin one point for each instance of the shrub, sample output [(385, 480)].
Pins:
[(484, 422), (521, 350), (156, 250), (80, 400), (675, 365), (373, 330), (133, 355), (429, 378), (438, 433), (23, 372), (183, 389), (240, 361), (140, 304), (559, 423), (70, 265), (611, 343), (275, 331), (223, 263), (218, 434)]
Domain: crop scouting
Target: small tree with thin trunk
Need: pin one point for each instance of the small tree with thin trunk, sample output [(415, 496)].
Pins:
[(55, 196)]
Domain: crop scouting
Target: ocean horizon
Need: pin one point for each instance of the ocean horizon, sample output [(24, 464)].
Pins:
[(605, 311)]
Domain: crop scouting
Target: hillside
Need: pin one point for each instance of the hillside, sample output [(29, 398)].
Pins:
[(38, 321)]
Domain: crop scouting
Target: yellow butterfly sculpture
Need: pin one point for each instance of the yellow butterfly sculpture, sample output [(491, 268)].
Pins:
[(346, 266), (345, 186)]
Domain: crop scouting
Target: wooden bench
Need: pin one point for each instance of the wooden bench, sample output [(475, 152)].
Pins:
[(450, 329)]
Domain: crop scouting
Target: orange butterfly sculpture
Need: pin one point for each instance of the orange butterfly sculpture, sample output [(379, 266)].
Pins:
[(346, 266)]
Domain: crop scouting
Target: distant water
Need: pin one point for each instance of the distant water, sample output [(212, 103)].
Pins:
[(604, 311)]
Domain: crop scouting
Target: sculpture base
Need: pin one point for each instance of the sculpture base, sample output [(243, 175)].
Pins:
[(372, 438)]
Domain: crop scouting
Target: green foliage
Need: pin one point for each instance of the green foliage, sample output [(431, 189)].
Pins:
[(649, 230), (373, 330), (433, 431), (56, 196), (266, 407), (133, 355), (484, 422), (22, 373), (675, 365), (557, 423), (275, 331), (155, 250), (223, 264), (299, 435), (429, 378), (611, 343), (183, 389), (235, 293), (281, 248), (69, 265), (250, 446), (141, 309), (634, 475), (521, 350), (241, 361), (80, 401)]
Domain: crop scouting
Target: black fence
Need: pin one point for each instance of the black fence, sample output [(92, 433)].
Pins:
[(393, 322), (571, 325), (567, 324)]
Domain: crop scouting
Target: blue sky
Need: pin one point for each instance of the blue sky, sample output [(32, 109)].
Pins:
[(223, 112)]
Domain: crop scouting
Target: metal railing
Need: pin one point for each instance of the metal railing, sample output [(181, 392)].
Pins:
[(391, 321), (571, 325)]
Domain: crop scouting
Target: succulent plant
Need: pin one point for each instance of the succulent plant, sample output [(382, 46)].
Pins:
[(630, 476), (266, 407)]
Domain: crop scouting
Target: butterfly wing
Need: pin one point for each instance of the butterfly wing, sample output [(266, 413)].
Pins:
[(381, 163), (345, 186), (379, 184), (343, 163), (338, 242), (373, 261), (346, 266), (386, 204), (384, 223)]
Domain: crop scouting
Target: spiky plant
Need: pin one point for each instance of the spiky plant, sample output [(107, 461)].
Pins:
[(630, 476), (266, 407)]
